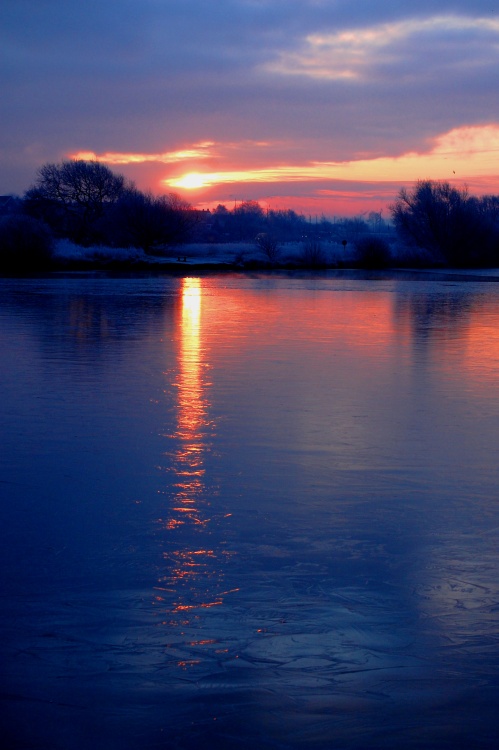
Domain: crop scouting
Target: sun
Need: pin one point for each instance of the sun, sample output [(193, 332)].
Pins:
[(189, 181)]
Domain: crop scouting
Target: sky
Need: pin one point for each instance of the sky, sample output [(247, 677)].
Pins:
[(327, 107)]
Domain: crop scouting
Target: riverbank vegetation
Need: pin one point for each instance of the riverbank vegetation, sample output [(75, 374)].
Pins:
[(440, 224), (80, 214)]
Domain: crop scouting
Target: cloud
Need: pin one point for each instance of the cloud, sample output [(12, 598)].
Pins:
[(362, 54), (468, 151), (197, 151)]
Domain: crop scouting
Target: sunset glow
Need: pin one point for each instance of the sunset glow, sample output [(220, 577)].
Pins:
[(324, 109), (465, 154), (191, 181), (461, 154)]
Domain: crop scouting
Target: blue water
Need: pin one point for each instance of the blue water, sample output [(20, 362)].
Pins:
[(245, 512)]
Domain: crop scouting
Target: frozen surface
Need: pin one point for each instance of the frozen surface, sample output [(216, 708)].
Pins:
[(249, 512)]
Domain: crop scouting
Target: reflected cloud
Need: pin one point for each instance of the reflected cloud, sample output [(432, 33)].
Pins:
[(455, 330)]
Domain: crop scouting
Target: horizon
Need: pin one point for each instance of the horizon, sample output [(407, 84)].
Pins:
[(322, 110)]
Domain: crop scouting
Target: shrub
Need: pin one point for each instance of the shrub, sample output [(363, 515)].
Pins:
[(312, 254), (26, 244), (373, 252), (269, 246)]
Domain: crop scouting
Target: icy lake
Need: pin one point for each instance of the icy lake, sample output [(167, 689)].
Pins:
[(249, 512)]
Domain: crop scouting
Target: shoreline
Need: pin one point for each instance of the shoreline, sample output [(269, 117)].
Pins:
[(189, 267)]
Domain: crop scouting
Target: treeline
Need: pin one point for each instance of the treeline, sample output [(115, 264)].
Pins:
[(247, 220), (90, 205), (85, 202), (433, 223)]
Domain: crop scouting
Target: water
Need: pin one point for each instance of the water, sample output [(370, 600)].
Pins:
[(245, 512)]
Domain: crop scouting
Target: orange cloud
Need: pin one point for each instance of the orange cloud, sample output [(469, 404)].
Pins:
[(463, 152), (202, 150)]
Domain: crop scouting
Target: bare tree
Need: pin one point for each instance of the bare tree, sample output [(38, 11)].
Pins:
[(312, 254), (269, 246), (73, 196), (375, 220), (443, 220)]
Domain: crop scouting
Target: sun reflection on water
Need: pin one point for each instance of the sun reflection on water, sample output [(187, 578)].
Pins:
[(193, 577)]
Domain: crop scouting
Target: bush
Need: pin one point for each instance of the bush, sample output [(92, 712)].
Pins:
[(269, 246), (312, 254), (26, 244), (373, 252)]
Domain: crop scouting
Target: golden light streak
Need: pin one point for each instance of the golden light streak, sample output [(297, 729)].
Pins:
[(270, 174), (462, 152), (202, 150)]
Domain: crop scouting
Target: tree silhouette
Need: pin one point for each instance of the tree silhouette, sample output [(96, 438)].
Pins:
[(455, 228), (72, 196), (142, 220)]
